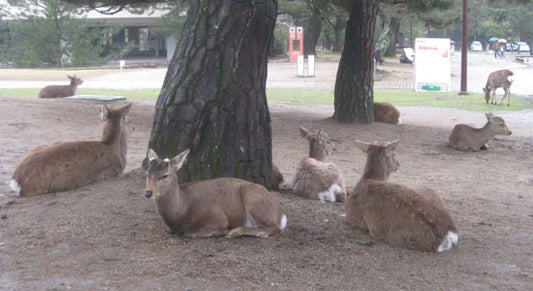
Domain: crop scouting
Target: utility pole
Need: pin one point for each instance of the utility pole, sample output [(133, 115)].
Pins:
[(464, 50)]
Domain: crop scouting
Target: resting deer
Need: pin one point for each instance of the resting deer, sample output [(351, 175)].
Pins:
[(394, 213), (314, 178), (55, 91), (386, 113), (223, 206), (465, 137), (277, 178), (498, 79), (67, 165)]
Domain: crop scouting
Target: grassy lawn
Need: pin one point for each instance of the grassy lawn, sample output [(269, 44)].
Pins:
[(473, 101)]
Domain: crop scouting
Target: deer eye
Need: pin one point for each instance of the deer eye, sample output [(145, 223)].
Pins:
[(164, 176)]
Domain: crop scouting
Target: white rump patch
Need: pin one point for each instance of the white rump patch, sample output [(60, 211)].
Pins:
[(329, 195), (399, 120), (14, 186), (283, 222), (448, 242)]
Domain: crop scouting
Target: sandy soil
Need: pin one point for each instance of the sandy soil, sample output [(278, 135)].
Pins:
[(108, 236)]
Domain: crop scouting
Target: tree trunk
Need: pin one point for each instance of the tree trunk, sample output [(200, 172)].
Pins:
[(213, 99), (354, 84), (311, 34)]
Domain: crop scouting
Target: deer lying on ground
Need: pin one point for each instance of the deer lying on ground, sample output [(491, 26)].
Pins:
[(277, 178), (498, 79), (386, 113), (465, 137), (56, 91), (314, 178), (396, 214), (215, 207), (67, 165)]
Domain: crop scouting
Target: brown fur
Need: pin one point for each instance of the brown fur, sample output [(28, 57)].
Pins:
[(223, 206), (66, 165), (276, 178), (313, 175), (465, 137), (498, 79), (396, 214), (386, 113), (56, 91)]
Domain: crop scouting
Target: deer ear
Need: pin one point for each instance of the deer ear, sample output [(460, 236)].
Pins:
[(179, 160), (304, 132), (489, 115), (125, 109), (392, 145), (152, 155), (104, 112), (362, 145)]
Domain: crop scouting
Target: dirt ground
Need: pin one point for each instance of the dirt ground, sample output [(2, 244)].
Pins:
[(108, 236)]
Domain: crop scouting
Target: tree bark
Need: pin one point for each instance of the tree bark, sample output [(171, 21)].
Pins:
[(312, 34), (213, 98), (354, 84)]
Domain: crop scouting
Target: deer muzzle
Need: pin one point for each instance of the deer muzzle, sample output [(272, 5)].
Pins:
[(148, 194)]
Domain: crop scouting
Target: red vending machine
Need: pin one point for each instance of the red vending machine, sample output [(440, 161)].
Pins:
[(296, 42)]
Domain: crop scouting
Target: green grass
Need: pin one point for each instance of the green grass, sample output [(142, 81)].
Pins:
[(142, 94), (472, 101)]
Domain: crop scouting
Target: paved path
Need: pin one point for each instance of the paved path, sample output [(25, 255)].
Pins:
[(283, 75)]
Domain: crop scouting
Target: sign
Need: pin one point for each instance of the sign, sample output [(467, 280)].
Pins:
[(432, 64), (310, 65), (300, 70)]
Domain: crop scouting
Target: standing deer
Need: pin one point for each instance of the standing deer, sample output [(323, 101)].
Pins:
[(67, 165), (396, 214), (386, 113), (314, 178), (223, 206), (56, 91), (465, 137), (498, 79)]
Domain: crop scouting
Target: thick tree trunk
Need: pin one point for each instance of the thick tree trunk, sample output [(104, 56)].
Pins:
[(213, 99), (311, 34), (354, 84)]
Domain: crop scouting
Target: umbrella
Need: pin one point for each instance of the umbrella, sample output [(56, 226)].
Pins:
[(501, 40), (493, 39)]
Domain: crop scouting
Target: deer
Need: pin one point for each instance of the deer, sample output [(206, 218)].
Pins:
[(277, 178), (67, 165), (386, 113), (215, 207), (498, 79), (314, 177), (57, 91), (467, 138), (396, 214)]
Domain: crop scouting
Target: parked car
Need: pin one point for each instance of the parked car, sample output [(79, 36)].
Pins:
[(523, 47), (476, 46)]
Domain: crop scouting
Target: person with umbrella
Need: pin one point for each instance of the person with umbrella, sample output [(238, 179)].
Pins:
[(495, 46), (502, 43)]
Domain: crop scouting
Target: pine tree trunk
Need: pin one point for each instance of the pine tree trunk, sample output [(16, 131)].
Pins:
[(213, 99), (354, 85)]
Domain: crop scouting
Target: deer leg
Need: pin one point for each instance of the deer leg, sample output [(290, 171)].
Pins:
[(212, 222), (255, 232)]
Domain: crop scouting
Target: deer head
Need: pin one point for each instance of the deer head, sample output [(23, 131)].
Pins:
[(319, 143), (161, 177)]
